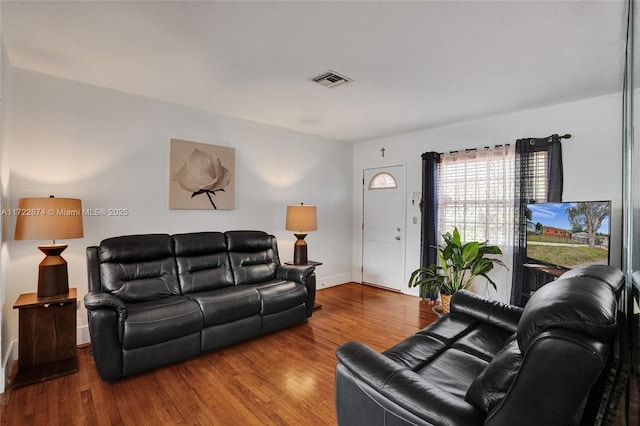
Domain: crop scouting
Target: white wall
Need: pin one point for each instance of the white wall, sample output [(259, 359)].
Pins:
[(111, 150), (592, 163)]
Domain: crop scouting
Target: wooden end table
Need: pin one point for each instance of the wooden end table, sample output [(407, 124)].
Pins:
[(47, 337)]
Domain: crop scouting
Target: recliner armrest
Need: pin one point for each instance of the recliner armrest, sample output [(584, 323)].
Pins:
[(487, 311), (294, 272), (101, 300)]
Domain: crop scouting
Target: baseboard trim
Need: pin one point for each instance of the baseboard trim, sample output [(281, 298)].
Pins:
[(331, 280), (5, 369)]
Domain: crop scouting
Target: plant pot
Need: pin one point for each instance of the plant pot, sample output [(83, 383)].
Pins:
[(445, 300)]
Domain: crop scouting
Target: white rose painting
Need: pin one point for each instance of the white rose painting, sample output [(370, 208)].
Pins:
[(201, 176)]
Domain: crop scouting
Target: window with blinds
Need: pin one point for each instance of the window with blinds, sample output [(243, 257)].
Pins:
[(535, 172), (476, 192)]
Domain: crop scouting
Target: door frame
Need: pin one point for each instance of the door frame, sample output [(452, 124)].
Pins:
[(403, 233)]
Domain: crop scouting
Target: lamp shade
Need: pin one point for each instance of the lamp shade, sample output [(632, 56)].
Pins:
[(301, 218), (49, 219)]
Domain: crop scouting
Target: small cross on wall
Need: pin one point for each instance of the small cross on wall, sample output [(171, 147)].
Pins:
[(382, 151)]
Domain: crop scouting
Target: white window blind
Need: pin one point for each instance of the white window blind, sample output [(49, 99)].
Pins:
[(476, 191)]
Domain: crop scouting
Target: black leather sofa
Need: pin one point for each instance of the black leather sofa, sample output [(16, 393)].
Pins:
[(157, 299), (493, 364)]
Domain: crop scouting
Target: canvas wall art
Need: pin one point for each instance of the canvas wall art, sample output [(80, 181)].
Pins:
[(201, 176)]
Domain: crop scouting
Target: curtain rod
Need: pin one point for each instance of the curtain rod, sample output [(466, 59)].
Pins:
[(468, 150), (549, 140)]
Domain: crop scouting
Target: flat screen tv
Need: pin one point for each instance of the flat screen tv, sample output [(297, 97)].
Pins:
[(569, 234)]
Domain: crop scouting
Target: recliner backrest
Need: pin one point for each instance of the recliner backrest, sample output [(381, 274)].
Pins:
[(203, 262), (583, 304), (253, 256), (138, 268), (563, 341), (612, 276)]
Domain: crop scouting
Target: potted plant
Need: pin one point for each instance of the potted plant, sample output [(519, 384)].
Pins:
[(458, 265)]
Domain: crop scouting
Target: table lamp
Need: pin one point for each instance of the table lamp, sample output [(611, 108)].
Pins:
[(301, 219), (50, 219)]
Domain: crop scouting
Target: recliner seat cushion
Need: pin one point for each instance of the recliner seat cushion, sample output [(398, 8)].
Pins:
[(449, 328), (279, 296), (227, 304), (159, 321), (453, 371), (415, 351), (484, 341)]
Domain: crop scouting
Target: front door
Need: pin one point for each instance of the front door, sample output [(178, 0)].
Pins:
[(383, 227)]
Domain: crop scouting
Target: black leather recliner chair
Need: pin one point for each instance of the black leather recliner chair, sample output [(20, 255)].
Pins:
[(490, 363)]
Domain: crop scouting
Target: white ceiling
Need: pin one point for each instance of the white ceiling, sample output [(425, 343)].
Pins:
[(415, 65)]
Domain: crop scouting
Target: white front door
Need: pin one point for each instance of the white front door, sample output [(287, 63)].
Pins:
[(383, 227)]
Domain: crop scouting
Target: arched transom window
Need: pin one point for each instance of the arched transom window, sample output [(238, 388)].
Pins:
[(382, 180)]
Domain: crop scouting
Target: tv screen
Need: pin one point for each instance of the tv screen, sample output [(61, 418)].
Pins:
[(569, 234)]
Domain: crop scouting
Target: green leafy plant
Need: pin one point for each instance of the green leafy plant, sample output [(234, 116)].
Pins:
[(458, 265)]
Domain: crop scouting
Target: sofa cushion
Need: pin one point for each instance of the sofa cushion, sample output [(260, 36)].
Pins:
[(149, 323), (227, 304), (484, 341), (453, 371), (449, 328), (138, 268), (415, 351), (203, 262), (253, 256), (278, 296), (491, 386)]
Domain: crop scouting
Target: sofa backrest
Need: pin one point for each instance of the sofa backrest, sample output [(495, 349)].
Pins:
[(612, 276), (138, 268), (202, 260), (253, 256), (583, 304)]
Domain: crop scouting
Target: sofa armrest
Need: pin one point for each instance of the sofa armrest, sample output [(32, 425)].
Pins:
[(100, 300), (106, 314), (487, 311), (306, 276), (371, 388), (294, 273)]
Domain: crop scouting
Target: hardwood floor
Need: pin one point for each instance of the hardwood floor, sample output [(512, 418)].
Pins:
[(285, 378)]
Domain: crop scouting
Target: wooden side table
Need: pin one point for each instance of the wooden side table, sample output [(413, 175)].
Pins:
[(46, 337)]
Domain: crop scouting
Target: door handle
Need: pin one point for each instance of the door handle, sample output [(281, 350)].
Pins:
[(398, 237)]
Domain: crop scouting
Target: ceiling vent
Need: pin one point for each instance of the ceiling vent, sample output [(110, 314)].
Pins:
[(331, 79)]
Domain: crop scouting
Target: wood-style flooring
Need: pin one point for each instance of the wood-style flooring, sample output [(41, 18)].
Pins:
[(285, 378)]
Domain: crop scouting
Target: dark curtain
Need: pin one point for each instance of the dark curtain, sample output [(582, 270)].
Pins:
[(525, 181), (429, 209)]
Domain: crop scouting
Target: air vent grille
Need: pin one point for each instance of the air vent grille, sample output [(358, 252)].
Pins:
[(331, 79)]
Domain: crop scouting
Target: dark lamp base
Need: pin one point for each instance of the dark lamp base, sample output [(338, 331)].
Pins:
[(53, 278), (300, 250)]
